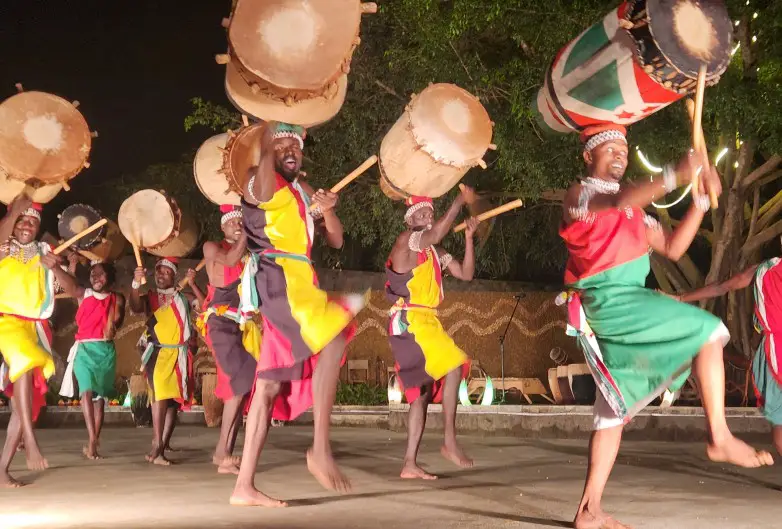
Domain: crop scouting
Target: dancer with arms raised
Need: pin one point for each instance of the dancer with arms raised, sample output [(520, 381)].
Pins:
[(636, 341)]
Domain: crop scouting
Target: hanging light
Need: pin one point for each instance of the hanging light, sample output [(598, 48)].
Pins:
[(754, 38), (646, 163), (733, 52), (755, 14), (720, 156)]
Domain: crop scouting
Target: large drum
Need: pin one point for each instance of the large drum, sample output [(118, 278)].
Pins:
[(209, 174), (444, 132), (288, 59), (10, 189), (641, 57), (105, 243), (155, 223), (44, 140), (241, 153)]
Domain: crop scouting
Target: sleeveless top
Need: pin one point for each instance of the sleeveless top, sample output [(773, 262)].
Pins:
[(93, 314), (227, 295), (28, 287), (420, 287)]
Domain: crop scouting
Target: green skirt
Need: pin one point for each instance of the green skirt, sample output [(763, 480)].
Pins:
[(639, 342), (95, 368)]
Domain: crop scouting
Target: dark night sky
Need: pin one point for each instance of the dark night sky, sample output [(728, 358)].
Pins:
[(133, 65)]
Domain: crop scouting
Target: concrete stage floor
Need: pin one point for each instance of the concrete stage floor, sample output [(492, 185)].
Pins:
[(516, 483)]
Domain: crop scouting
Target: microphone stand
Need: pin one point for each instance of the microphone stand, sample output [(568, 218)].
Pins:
[(502, 344)]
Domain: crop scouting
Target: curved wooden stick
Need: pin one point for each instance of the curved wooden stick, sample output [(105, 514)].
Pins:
[(696, 116), (361, 169), (139, 262), (67, 244), (198, 268), (492, 213)]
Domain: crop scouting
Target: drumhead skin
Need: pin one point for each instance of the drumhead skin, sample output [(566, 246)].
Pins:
[(451, 125), (10, 189), (146, 218), (242, 152), (295, 44), (209, 176), (308, 113), (43, 138), (76, 218)]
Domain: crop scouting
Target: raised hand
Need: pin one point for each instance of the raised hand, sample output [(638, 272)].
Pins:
[(326, 200), (472, 226), (139, 274), (50, 260)]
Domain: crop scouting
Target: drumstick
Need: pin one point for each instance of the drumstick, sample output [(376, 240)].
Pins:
[(492, 213), (698, 141), (139, 263), (361, 169), (198, 268), (67, 244)]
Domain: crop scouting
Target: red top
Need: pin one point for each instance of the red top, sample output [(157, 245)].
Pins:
[(92, 316)]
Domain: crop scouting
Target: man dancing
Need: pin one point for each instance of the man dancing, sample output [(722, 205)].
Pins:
[(301, 324), (29, 275), (424, 353), (235, 349), (636, 341), (93, 358), (766, 375), (165, 356)]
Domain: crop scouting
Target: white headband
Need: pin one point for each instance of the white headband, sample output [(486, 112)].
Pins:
[(599, 139), (32, 212), (235, 214), (288, 134), (415, 207), (96, 262), (167, 263)]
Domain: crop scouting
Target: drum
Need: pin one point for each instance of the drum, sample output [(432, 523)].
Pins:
[(155, 223), (443, 133), (572, 384), (242, 152), (208, 172), (44, 140), (10, 189), (110, 247), (641, 57), (273, 72), (77, 218)]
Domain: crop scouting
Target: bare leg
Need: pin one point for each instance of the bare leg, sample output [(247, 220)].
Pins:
[(450, 449), (235, 427), (226, 464), (709, 369), (320, 460), (98, 406), (12, 439), (416, 422), (245, 494), (22, 402), (170, 424), (156, 455), (603, 448), (91, 450)]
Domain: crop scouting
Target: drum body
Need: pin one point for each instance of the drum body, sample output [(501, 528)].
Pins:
[(10, 189), (298, 76), (443, 133), (241, 153), (44, 140), (572, 384), (76, 218), (110, 247), (610, 74), (209, 175), (156, 223)]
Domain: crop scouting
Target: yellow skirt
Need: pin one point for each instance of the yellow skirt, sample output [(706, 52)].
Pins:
[(22, 349), (163, 375)]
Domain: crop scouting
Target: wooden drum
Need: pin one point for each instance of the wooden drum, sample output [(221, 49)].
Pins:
[(444, 132), (572, 384), (155, 223), (242, 152), (105, 244), (641, 57), (44, 140), (209, 175), (10, 189), (288, 59)]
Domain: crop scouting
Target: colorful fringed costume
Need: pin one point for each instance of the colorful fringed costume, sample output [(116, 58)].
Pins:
[(26, 304), (768, 321), (636, 341), (93, 358), (299, 319)]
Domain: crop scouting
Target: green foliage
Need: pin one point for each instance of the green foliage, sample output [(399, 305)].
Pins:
[(499, 50), (360, 395)]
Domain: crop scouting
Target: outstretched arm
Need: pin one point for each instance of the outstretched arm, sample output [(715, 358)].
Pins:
[(737, 282), (196, 291), (465, 270), (265, 180), (442, 226), (138, 303), (68, 283)]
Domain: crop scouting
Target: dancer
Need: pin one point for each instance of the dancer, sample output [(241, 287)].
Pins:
[(766, 375), (93, 358), (303, 329), (429, 364), (29, 274), (165, 355), (636, 341), (235, 349)]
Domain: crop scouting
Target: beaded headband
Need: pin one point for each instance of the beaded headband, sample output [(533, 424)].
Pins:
[(603, 137), (416, 207), (32, 212), (169, 264), (235, 214), (289, 131)]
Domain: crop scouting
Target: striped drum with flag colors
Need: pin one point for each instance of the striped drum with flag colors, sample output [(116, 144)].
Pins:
[(643, 56)]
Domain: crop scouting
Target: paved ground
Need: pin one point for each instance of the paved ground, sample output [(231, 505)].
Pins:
[(516, 483)]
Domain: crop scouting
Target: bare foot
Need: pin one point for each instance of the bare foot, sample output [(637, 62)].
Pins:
[(228, 467), (413, 471), (455, 455), (221, 459), (7, 482), (35, 460), (325, 470), (587, 520), (161, 460), (739, 453), (90, 451), (169, 449), (250, 497)]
